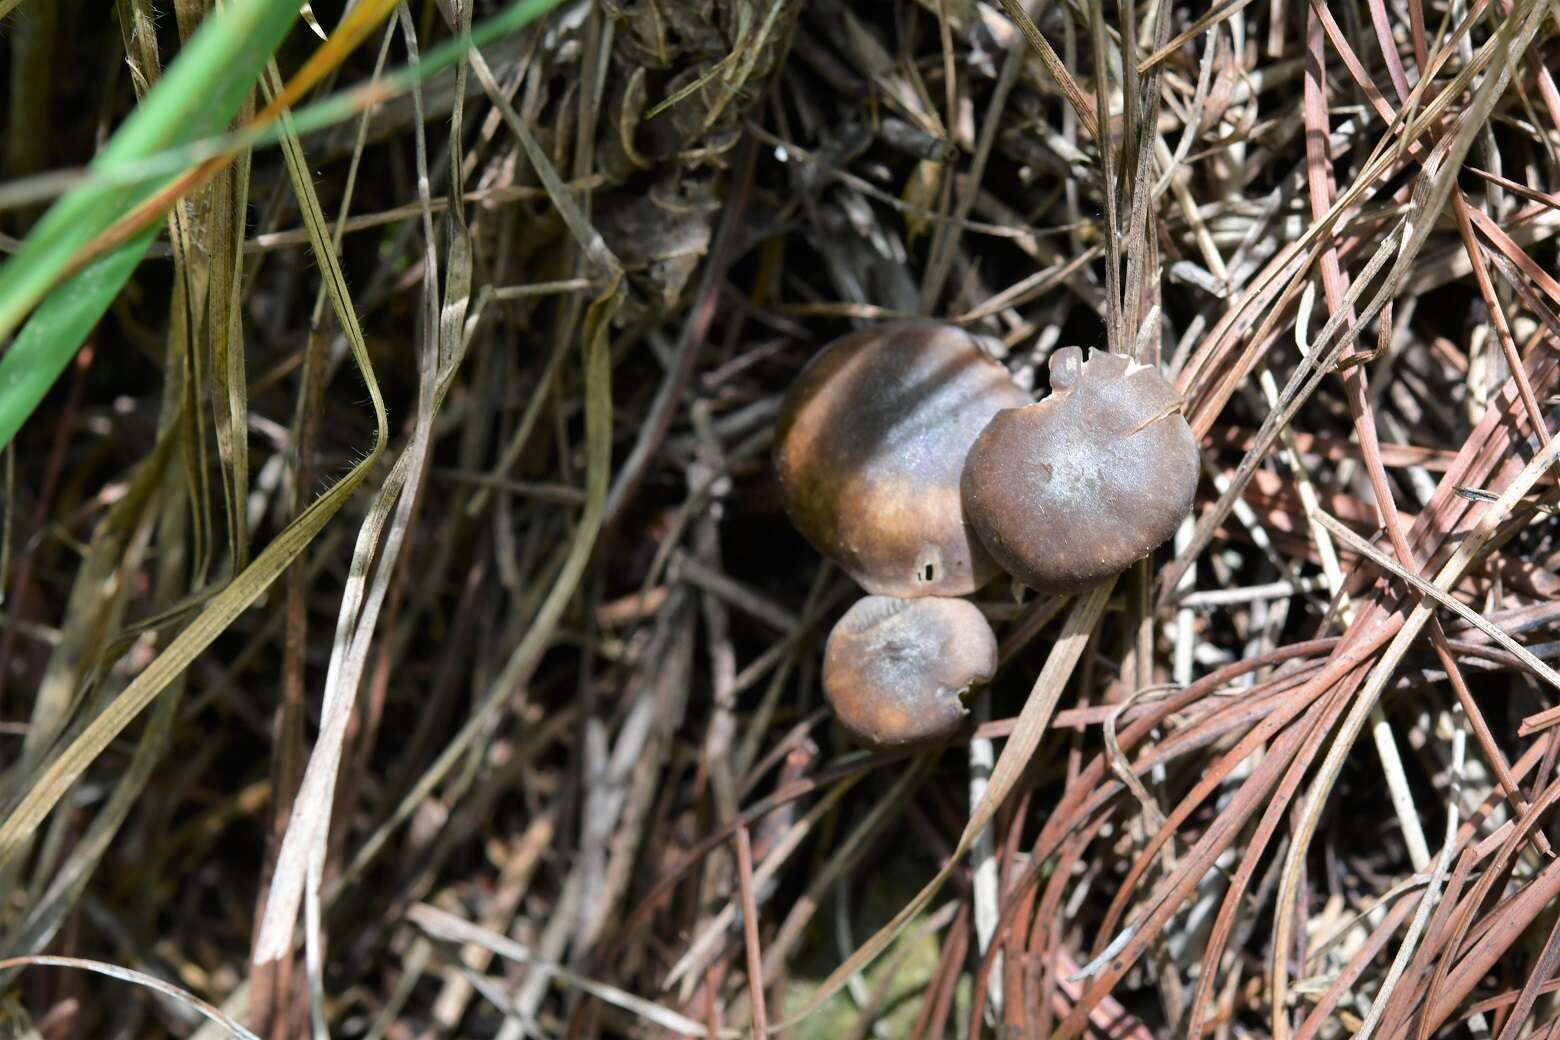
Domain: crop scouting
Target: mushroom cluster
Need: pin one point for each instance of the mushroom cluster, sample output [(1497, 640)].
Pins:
[(910, 458)]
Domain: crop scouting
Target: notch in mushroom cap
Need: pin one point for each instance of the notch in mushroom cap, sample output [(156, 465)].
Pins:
[(869, 446), (895, 670), (1073, 490)]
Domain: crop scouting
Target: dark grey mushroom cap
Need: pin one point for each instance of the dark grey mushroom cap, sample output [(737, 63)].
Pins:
[(895, 670), (869, 448), (1073, 490)]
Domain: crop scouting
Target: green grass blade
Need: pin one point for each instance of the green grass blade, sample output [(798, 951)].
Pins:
[(60, 324), (196, 98), (331, 110), (193, 102)]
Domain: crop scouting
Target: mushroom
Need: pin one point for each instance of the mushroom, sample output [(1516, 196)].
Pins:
[(1073, 490), (895, 670), (869, 446)]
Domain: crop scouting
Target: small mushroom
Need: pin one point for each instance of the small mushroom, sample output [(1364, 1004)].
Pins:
[(895, 670), (1073, 490), (869, 446)]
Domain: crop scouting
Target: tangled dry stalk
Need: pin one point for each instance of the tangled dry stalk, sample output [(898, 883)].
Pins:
[(526, 739)]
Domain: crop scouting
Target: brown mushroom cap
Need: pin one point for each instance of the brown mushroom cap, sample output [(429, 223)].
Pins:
[(869, 446), (894, 669), (1073, 490)]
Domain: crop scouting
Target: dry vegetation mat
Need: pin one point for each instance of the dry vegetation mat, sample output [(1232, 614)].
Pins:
[(403, 636)]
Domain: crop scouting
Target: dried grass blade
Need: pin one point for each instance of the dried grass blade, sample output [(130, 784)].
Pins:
[(95, 609), (1416, 927), (300, 862), (1201, 25), (138, 978), (446, 926), (1053, 64), (597, 364), (1142, 326), (1110, 182), (841, 858), (1342, 532), (360, 20), (700, 948), (91, 613), (1513, 252), (229, 198)]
